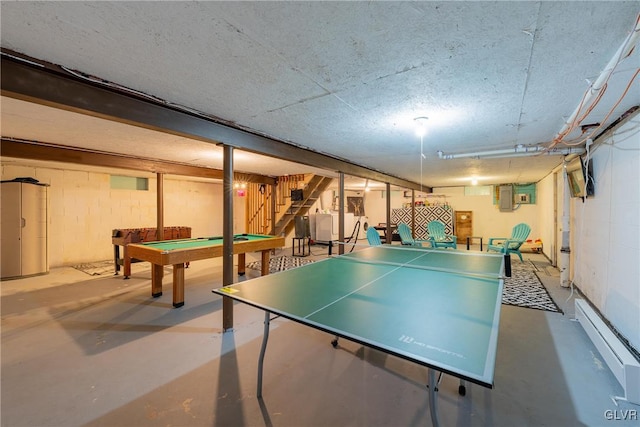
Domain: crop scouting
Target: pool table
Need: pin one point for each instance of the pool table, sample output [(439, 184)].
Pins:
[(125, 236), (180, 251)]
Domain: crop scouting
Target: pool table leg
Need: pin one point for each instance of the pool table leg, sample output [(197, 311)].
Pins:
[(265, 262), (178, 285), (241, 264), (126, 263), (156, 280), (116, 258)]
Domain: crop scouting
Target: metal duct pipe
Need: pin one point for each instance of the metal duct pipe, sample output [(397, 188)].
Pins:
[(518, 151), (623, 51)]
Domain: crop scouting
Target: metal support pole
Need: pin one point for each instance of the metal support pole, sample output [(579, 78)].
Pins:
[(341, 216), (413, 214), (388, 233), (157, 272), (274, 193), (227, 235), (160, 206)]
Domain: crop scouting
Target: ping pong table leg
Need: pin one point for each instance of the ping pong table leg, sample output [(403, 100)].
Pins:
[(507, 265), (433, 398), (462, 388), (265, 337)]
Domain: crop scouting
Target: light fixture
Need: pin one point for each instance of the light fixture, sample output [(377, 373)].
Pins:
[(421, 126), (474, 181), (421, 130)]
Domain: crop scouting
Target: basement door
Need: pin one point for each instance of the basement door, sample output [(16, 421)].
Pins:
[(464, 225)]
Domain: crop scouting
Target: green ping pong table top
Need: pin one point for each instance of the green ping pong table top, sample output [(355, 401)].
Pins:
[(438, 308)]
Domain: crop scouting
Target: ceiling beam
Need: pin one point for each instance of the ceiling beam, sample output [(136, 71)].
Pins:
[(56, 153), (44, 83)]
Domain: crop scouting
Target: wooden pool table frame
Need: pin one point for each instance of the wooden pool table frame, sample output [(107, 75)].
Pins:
[(178, 258)]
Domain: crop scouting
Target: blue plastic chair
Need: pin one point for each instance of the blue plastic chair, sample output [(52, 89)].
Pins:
[(373, 237), (510, 245), (405, 236), (438, 236)]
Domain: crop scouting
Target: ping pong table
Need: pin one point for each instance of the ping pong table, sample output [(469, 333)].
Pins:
[(435, 307)]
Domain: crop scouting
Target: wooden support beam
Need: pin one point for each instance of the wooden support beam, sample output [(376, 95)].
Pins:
[(56, 153), (41, 82)]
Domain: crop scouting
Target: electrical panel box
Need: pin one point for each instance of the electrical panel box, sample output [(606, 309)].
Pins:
[(506, 198)]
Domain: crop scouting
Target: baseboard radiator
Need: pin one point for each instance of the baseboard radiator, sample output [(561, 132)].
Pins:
[(621, 362)]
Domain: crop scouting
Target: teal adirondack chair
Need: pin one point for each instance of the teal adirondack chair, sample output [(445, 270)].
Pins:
[(438, 236), (510, 245), (405, 236), (373, 237)]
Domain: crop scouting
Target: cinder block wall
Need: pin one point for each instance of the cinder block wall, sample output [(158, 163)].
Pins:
[(84, 209)]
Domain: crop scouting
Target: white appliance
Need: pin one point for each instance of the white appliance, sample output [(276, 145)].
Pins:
[(364, 224), (327, 226)]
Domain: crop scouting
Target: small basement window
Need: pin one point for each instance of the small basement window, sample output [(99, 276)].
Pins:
[(477, 190), (119, 182)]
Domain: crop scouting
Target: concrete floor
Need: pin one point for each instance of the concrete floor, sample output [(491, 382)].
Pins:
[(100, 351)]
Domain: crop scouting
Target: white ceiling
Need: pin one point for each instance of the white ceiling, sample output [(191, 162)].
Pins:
[(342, 78)]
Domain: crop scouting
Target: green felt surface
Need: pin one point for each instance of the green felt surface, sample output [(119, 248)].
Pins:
[(168, 245), (390, 299)]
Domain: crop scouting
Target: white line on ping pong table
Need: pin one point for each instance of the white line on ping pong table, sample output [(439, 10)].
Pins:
[(425, 249), (421, 267), (398, 266)]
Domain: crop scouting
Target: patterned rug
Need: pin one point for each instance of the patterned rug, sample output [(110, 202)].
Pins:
[(524, 288), (280, 263), (96, 268)]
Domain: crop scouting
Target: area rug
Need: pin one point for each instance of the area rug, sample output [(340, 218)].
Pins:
[(280, 263), (524, 288), (96, 268)]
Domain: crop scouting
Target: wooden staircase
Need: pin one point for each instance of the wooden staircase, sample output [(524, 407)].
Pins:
[(314, 186), (259, 203)]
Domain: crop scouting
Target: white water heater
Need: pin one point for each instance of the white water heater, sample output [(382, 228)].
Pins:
[(327, 226)]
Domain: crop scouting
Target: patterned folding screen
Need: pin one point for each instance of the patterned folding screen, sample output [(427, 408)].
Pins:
[(425, 214)]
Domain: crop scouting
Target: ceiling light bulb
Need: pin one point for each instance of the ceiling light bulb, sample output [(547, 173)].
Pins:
[(474, 181), (421, 126)]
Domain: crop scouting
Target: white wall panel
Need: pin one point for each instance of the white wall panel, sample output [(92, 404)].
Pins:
[(606, 235)]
